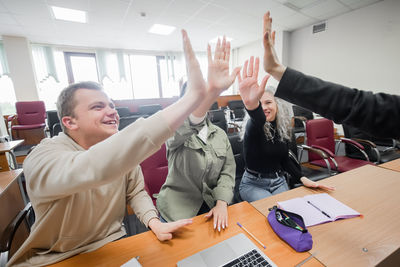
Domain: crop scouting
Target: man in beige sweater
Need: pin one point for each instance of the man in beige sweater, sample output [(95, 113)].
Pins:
[(80, 181)]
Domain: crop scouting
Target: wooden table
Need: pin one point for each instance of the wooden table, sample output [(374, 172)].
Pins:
[(7, 177), (8, 147), (391, 165), (196, 237), (362, 241)]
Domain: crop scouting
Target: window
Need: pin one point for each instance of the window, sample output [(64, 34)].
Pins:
[(124, 76), (8, 99), (81, 67), (117, 84), (170, 85), (145, 77)]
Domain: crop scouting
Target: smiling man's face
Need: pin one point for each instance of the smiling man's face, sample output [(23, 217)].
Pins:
[(94, 119)]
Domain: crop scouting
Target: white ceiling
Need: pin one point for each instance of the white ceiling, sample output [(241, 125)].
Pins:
[(118, 24)]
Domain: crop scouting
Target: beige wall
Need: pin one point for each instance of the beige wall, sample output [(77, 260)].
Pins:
[(359, 49), (256, 49), (19, 58)]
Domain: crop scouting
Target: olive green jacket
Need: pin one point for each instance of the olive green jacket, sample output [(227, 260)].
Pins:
[(197, 171)]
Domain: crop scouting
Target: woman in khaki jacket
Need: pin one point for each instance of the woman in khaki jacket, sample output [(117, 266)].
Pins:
[(201, 165)]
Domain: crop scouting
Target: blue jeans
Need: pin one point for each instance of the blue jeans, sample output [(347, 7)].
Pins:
[(162, 219), (253, 188)]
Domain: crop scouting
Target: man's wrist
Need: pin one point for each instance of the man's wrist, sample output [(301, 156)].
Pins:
[(153, 223), (278, 71)]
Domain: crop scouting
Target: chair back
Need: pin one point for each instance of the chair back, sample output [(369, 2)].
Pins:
[(301, 112), (56, 129), (155, 171), (217, 117), (237, 149), (14, 228), (149, 109), (214, 106), (30, 112), (238, 109), (123, 111), (320, 132), (52, 119), (125, 121), (387, 151)]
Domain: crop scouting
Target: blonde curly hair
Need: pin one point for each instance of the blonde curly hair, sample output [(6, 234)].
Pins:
[(283, 119)]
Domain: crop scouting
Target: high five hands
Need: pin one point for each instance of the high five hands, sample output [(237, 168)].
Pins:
[(219, 78), (250, 91)]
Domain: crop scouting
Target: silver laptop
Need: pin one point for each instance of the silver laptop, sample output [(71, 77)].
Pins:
[(229, 252)]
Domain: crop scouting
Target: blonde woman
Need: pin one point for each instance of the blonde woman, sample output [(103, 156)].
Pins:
[(266, 140)]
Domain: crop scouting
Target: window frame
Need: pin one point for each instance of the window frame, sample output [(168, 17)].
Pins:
[(68, 65)]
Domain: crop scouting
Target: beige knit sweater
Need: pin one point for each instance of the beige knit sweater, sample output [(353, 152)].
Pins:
[(80, 196)]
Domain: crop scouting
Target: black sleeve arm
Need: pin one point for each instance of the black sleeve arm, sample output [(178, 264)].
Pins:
[(377, 114)]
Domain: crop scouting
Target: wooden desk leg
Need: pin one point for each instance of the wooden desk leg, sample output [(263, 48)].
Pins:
[(3, 162)]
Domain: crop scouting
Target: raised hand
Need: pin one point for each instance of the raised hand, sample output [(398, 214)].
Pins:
[(219, 78), (271, 61), (195, 84), (249, 89)]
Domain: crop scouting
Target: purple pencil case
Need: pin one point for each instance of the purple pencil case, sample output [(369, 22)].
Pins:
[(290, 228)]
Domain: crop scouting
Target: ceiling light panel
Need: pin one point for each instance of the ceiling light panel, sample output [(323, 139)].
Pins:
[(68, 14), (162, 29)]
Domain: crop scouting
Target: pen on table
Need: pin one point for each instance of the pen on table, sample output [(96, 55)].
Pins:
[(323, 212), (255, 238)]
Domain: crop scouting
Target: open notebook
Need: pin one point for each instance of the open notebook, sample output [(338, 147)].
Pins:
[(318, 208)]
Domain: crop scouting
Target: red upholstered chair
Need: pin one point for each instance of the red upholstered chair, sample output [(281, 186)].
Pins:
[(155, 171), (29, 123), (320, 135)]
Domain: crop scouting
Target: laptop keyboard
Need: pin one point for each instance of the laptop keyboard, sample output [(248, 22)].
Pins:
[(253, 258)]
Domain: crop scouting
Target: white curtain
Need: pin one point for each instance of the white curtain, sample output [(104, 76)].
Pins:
[(3, 62), (121, 66), (101, 59), (45, 66), (111, 65)]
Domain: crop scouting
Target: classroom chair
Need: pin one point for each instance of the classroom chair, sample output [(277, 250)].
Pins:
[(214, 106), (149, 110), (155, 171), (237, 110), (237, 149), (312, 173), (29, 122), (15, 221), (379, 150), (123, 111), (125, 121), (320, 135), (300, 116), (52, 120), (217, 117)]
